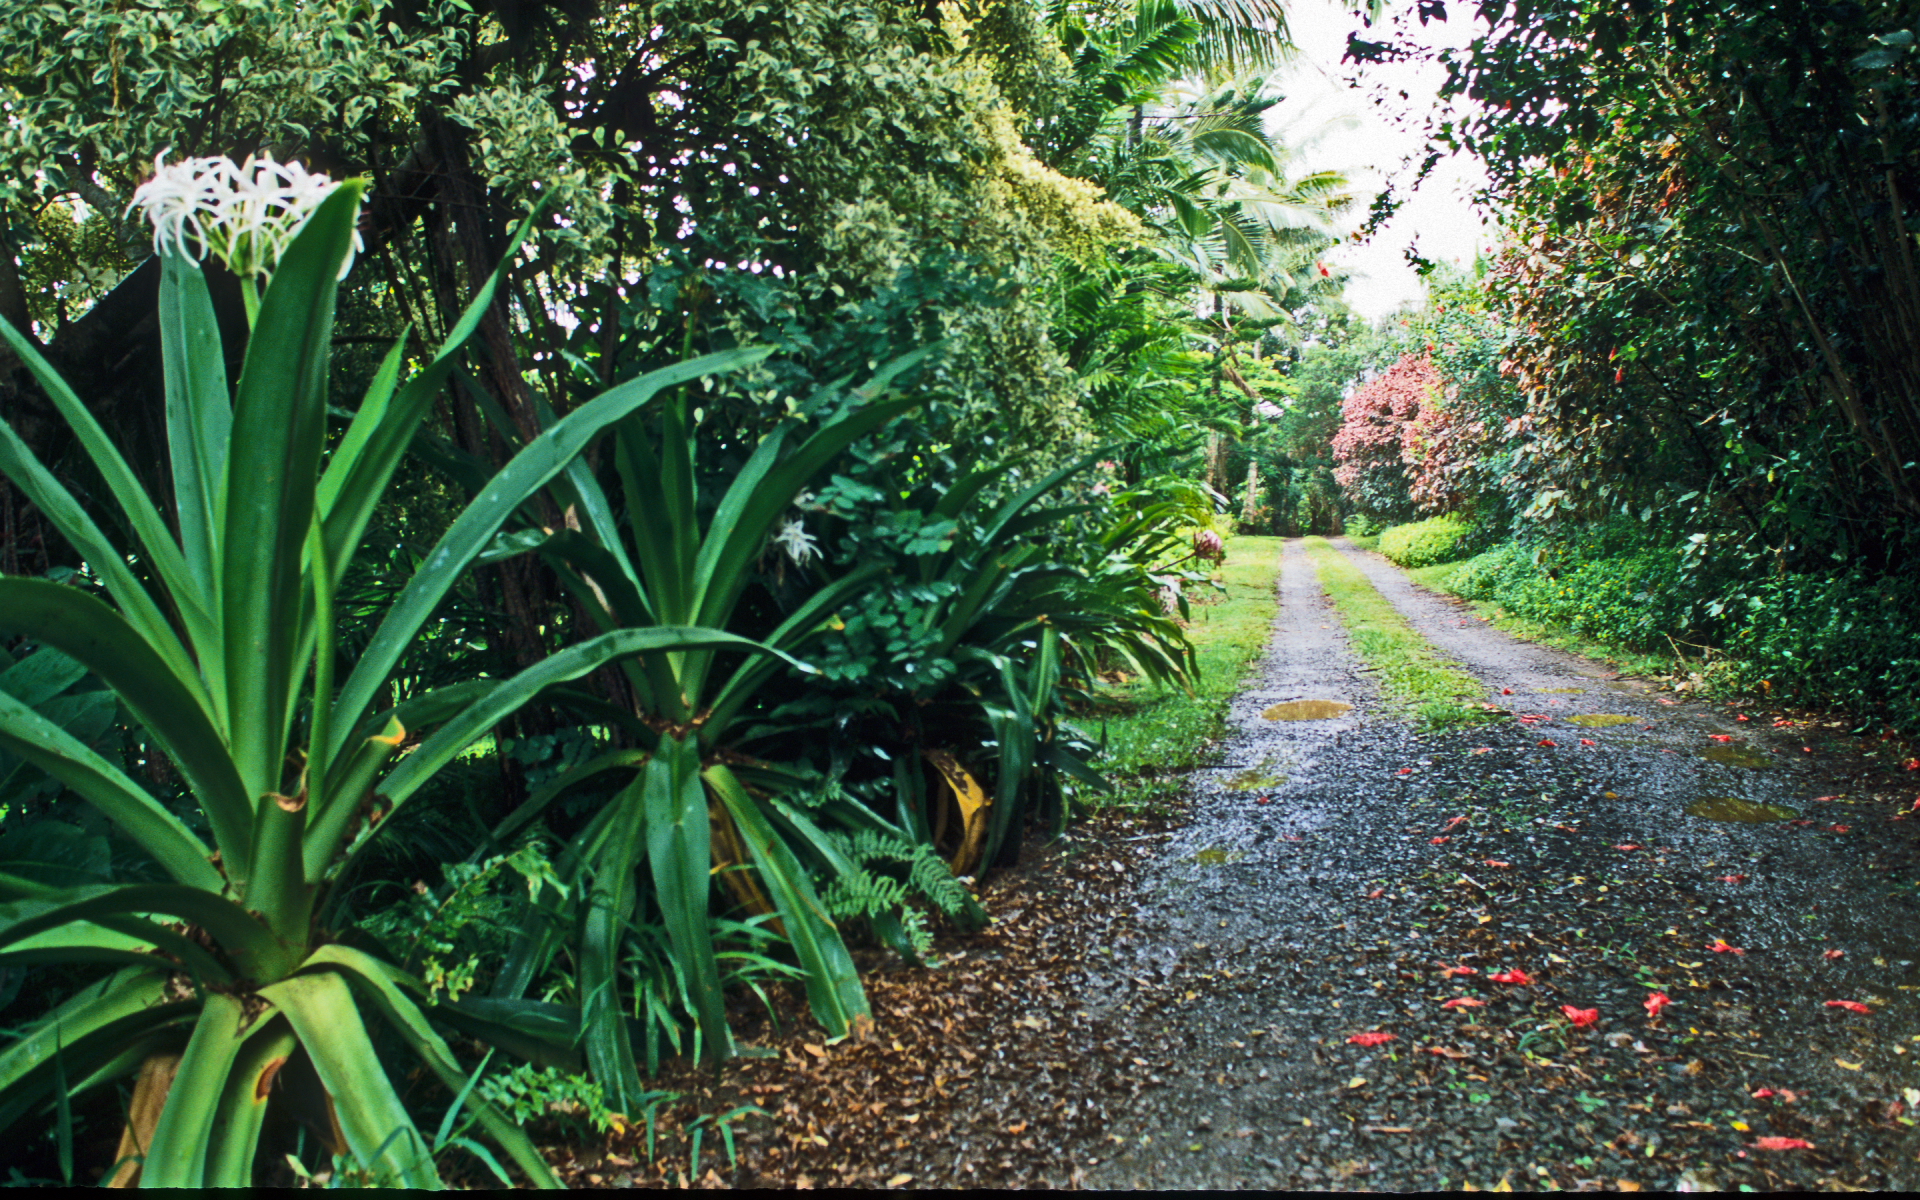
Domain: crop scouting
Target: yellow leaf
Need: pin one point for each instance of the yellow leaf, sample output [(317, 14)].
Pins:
[(900, 1181), (1505, 1185), (1356, 1081), (1626, 1185), (1742, 1126), (1845, 1065)]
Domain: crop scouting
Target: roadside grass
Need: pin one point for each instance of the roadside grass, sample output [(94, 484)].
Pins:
[(1559, 637), (1155, 735), (1412, 675)]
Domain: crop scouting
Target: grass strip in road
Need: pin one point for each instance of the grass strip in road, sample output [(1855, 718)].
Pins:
[(1155, 735), (1412, 674)]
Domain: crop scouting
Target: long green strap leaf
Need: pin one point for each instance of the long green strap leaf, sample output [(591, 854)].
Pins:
[(680, 856), (173, 709), (530, 470), (149, 527), (27, 734), (232, 928), (387, 987), (609, 909), (279, 430), (178, 1156), (55, 503), (243, 1106), (95, 1007), (199, 423), (506, 698), (381, 1135), (832, 979)]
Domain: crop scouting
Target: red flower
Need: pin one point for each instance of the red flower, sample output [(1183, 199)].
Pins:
[(1852, 1006), (1720, 947), (1656, 1002), (1581, 1017), (1370, 1039), (1516, 977)]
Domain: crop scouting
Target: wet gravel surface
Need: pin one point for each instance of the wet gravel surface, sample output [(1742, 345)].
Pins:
[(1184, 1003), (1332, 871)]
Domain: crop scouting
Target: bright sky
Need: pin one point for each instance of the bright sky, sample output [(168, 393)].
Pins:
[(1372, 147)]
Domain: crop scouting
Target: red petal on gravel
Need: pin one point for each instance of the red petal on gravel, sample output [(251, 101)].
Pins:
[(1782, 1143), (1581, 1017), (1548, 742), (1516, 976), (1464, 1002), (1656, 1002), (1852, 1006), (1833, 954), (1371, 1039)]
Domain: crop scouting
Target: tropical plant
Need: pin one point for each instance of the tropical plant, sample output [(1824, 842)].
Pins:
[(221, 644)]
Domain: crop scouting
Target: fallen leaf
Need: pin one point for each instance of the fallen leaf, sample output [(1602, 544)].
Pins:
[(1720, 947), (1721, 737), (1376, 893), (1628, 846), (1357, 1082), (1264, 800), (900, 1181), (1506, 691), (1437, 841), (1515, 976), (1626, 1185), (1404, 771), (1464, 1002), (1453, 821), (1853, 1006), (816, 1051), (1833, 954), (1663, 700), (1581, 1017), (1845, 1065), (1782, 1143), (1588, 742), (1840, 828), (1733, 879), (1743, 717), (1446, 1052), (1460, 970), (1824, 799), (1763, 1094), (1656, 1002), (1373, 1038), (1494, 862), (1489, 750), (1549, 743)]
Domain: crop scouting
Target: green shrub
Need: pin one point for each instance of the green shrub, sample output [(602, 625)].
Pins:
[(1424, 543), (1359, 525), (1848, 641), (1635, 599)]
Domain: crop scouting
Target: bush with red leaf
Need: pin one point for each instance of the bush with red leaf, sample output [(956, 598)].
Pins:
[(1368, 450)]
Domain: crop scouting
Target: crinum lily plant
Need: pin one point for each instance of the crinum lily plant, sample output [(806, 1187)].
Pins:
[(216, 632)]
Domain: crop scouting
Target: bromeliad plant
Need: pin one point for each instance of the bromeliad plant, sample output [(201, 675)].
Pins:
[(220, 643)]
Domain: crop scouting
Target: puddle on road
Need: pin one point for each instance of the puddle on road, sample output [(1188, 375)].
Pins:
[(1257, 779), (1216, 856), (1738, 756), (1306, 710), (1732, 808), (1560, 691), (1600, 720)]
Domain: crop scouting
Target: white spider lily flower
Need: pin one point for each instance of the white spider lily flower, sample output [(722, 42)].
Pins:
[(247, 215), (796, 541)]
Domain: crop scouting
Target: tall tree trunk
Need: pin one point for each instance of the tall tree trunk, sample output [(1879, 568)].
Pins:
[(1249, 504)]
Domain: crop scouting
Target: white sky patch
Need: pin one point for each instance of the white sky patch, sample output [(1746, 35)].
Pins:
[(1384, 143)]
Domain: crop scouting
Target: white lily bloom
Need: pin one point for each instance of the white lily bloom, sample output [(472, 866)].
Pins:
[(248, 215), (796, 541)]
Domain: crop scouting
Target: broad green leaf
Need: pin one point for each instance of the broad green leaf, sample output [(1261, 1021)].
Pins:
[(273, 465), (680, 857), (608, 912), (199, 421), (178, 1156), (379, 1132), (531, 469)]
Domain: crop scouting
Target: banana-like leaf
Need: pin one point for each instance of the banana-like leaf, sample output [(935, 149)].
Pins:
[(388, 987), (832, 980), (173, 709), (680, 856), (30, 736), (382, 1136), (531, 469)]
